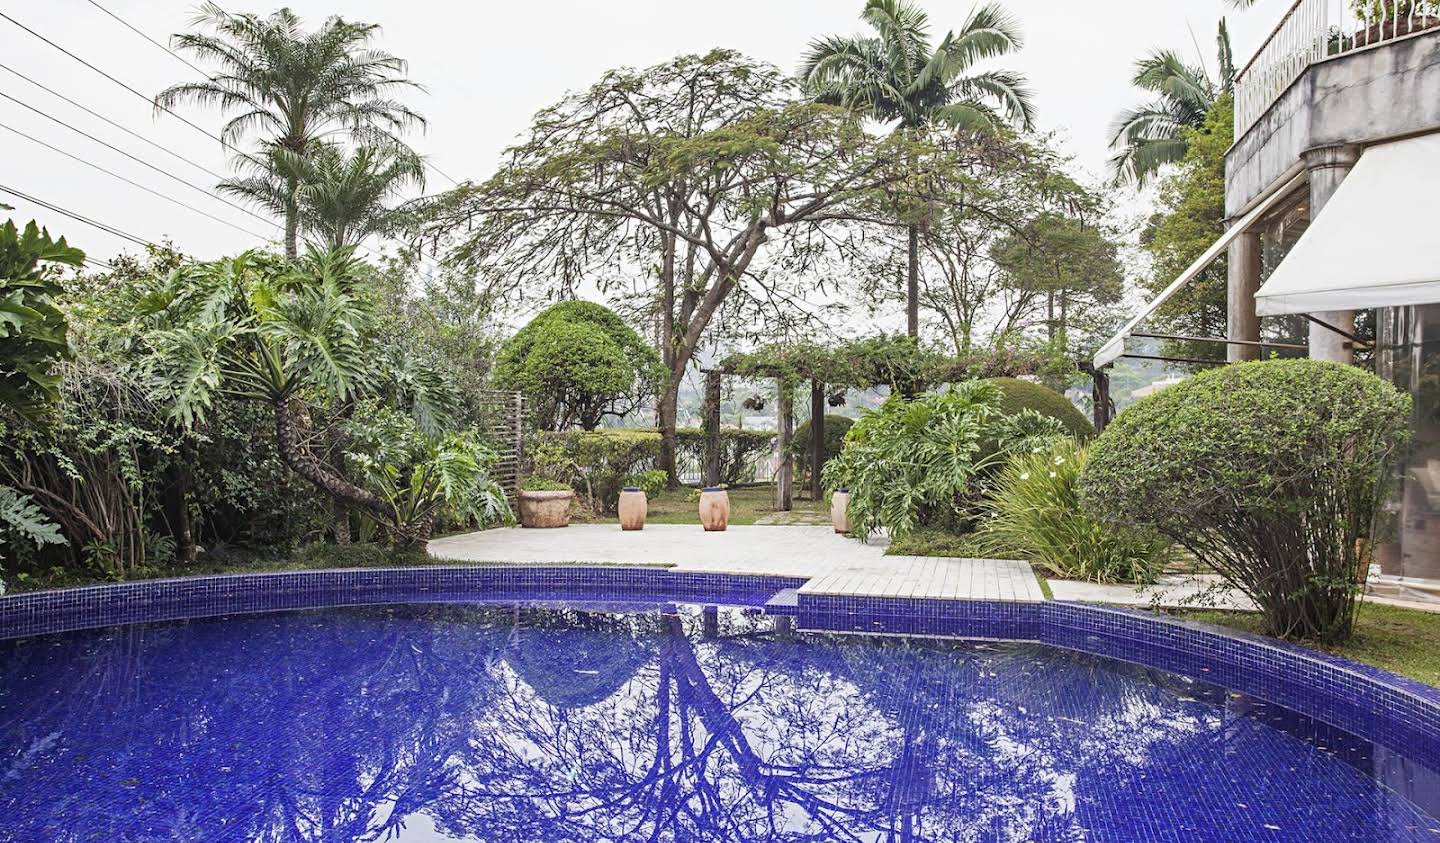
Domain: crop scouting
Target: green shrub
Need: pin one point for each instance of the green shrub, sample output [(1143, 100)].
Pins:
[(1035, 514), (925, 462), (1017, 395), (576, 363), (536, 483), (651, 482), (1268, 472), (835, 429), (739, 451), (596, 463), (940, 543)]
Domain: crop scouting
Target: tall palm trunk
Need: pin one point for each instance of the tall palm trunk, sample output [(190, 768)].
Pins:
[(292, 219), (912, 285), (294, 455)]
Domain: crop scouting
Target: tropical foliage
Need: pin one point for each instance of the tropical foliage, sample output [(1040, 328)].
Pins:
[(926, 462), (33, 330), (1157, 133), (896, 76), (292, 91), (1269, 472)]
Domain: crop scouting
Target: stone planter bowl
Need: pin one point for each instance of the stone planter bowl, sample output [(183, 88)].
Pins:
[(546, 509)]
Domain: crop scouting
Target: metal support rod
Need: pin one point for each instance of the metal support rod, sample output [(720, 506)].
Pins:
[(817, 437), (1346, 334), (1261, 343)]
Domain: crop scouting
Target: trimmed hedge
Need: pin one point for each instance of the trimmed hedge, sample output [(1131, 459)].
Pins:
[(596, 464), (835, 429), (738, 450), (1269, 472), (1017, 395)]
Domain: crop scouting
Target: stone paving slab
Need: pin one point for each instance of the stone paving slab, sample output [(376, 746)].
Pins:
[(832, 562), (1174, 591)]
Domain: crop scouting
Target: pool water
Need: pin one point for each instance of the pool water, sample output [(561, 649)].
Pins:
[(509, 723)]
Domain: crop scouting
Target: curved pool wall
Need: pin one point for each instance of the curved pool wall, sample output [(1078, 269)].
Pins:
[(1389, 710)]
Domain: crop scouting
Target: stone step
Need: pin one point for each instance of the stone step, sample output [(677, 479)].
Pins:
[(785, 602)]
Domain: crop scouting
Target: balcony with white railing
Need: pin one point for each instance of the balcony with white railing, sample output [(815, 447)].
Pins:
[(1313, 30)]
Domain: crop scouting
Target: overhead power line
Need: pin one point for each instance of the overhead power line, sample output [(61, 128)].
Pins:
[(131, 182), (80, 218), (97, 115), (166, 173), (135, 29), (207, 133)]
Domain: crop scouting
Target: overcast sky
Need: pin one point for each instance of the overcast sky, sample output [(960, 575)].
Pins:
[(487, 66)]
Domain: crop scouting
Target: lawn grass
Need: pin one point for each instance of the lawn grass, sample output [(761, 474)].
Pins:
[(747, 505), (1403, 641), (938, 543)]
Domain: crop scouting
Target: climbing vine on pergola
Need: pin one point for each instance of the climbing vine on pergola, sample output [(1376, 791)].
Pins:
[(894, 361)]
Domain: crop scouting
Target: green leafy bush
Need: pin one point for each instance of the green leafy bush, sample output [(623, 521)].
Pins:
[(1017, 395), (925, 462), (576, 363), (836, 427), (536, 483), (740, 451), (1035, 514), (595, 463), (650, 482), (1268, 472)]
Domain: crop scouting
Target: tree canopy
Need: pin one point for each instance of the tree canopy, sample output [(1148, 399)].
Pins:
[(577, 362)]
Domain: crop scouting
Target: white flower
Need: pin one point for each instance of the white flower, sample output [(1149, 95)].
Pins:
[(1025, 476), (1059, 460), (1052, 474)]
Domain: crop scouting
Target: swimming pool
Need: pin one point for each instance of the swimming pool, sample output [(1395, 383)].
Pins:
[(586, 720)]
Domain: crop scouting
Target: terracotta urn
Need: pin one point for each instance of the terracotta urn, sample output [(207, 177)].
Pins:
[(633, 506), (545, 509), (714, 509), (840, 510)]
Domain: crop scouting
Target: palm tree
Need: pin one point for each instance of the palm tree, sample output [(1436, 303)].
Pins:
[(1147, 138), (895, 75), (294, 89), (339, 197)]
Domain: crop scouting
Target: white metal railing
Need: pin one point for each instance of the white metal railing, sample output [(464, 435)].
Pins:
[(1313, 30)]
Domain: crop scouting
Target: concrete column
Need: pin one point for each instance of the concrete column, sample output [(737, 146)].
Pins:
[(1241, 322), (1328, 166)]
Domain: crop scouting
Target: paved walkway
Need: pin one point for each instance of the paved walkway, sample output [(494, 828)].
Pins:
[(835, 564), (1173, 591)]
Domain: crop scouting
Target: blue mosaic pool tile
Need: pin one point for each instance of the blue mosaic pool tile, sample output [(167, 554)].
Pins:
[(1374, 704)]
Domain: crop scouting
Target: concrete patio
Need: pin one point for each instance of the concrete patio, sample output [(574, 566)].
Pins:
[(833, 563)]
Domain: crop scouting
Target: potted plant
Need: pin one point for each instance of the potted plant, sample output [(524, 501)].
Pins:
[(840, 510), (714, 508), (545, 503)]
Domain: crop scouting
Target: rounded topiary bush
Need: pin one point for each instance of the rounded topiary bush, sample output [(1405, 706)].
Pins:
[(1017, 395), (1269, 472)]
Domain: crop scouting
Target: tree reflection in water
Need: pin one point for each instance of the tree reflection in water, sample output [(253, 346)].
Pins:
[(520, 724)]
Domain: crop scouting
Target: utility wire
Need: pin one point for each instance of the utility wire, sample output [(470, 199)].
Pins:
[(206, 74), (132, 183), (97, 115), (166, 173), (207, 133), (80, 218), (137, 31)]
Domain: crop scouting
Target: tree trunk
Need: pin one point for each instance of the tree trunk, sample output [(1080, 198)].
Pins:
[(665, 413), (177, 513), (912, 285), (341, 522), (785, 421), (292, 221), (318, 473)]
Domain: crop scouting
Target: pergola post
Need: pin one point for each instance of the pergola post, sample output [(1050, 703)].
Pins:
[(785, 422), (712, 428), (817, 436)]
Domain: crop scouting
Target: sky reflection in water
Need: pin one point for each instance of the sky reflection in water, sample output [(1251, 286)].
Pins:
[(427, 723)]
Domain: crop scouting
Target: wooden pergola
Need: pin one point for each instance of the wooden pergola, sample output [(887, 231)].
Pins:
[(896, 362)]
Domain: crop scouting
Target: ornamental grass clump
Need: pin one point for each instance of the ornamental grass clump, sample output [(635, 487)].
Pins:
[(1268, 472), (1035, 512)]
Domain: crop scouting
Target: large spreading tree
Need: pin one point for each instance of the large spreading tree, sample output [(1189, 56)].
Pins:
[(711, 171)]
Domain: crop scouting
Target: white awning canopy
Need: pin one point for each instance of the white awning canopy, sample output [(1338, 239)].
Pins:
[(1114, 348), (1376, 243)]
